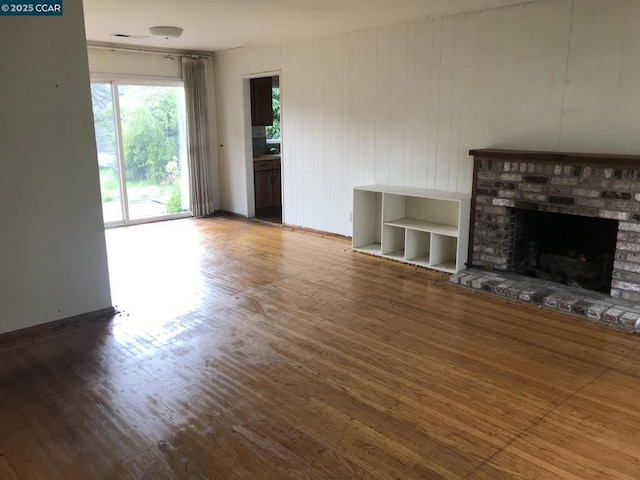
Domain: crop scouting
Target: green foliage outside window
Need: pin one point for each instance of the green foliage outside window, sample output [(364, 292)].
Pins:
[(273, 132), (150, 138)]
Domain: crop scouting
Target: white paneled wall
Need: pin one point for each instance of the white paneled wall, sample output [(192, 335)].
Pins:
[(403, 104)]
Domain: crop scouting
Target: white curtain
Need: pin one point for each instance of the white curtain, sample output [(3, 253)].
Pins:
[(195, 87)]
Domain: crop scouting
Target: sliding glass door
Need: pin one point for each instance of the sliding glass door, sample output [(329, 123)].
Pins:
[(108, 152), (141, 140)]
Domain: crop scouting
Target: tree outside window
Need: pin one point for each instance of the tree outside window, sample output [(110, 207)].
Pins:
[(273, 132)]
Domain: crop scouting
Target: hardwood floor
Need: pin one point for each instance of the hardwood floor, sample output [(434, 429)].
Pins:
[(246, 351)]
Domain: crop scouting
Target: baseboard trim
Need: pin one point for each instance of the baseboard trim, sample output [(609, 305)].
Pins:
[(288, 226), (226, 213), (312, 231), (44, 329)]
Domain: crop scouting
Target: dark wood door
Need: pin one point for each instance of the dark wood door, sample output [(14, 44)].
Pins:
[(264, 188)]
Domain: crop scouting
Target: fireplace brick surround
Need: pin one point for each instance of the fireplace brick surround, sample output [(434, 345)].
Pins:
[(591, 185)]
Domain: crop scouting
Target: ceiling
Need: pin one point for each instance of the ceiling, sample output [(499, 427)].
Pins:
[(213, 25)]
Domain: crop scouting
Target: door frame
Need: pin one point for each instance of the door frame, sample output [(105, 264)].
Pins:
[(248, 140)]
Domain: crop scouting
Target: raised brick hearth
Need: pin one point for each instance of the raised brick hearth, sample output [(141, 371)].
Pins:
[(603, 186), (594, 306)]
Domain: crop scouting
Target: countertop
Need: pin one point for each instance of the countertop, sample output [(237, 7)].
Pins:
[(273, 156)]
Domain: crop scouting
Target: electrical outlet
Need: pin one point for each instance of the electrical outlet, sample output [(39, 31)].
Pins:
[(350, 217)]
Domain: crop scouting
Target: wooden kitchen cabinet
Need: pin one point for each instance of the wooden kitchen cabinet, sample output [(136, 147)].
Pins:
[(277, 189), (267, 183), (261, 102), (264, 189)]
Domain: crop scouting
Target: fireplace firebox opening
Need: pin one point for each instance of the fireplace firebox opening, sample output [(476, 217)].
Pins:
[(569, 249)]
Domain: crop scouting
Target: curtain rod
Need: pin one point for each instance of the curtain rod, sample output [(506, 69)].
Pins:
[(153, 52)]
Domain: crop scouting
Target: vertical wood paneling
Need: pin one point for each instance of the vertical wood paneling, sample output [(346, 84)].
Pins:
[(359, 56), (549, 59), (469, 95), (347, 163), (271, 58), (330, 98), (308, 132), (445, 102), (398, 95), (434, 103), (527, 35), (457, 84), (403, 104), (580, 49), (291, 111), (604, 72), (488, 46), (335, 180), (317, 132), (354, 161), (370, 85), (253, 59), (422, 98), (626, 126), (410, 106), (383, 104), (596, 78), (509, 81)]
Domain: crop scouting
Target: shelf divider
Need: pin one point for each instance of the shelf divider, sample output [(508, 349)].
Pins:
[(424, 226)]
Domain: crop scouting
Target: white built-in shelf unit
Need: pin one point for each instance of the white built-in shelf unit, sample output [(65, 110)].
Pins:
[(429, 228)]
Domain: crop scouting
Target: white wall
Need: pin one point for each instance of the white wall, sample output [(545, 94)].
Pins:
[(52, 245), (403, 104), (119, 64), (231, 71)]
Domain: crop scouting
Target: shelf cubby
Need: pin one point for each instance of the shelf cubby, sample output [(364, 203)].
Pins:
[(445, 248), (393, 242), (418, 247), (367, 226)]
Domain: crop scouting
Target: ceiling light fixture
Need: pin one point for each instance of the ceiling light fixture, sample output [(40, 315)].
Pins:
[(165, 32)]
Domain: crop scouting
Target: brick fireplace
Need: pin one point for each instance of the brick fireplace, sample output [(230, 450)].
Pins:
[(594, 186)]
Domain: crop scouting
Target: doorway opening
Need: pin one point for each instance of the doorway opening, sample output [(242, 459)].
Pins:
[(142, 155), (266, 148)]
